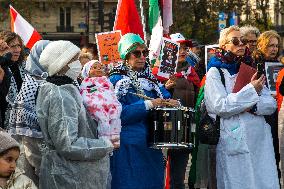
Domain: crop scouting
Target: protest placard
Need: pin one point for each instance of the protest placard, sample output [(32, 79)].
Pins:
[(168, 58), (271, 70), (107, 43), (209, 52)]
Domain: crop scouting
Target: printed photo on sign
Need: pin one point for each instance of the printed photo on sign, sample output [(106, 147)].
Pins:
[(168, 58), (107, 43), (209, 52), (272, 69)]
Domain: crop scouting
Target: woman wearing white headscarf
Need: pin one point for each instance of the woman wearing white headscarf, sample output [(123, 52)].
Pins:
[(100, 100), (23, 122)]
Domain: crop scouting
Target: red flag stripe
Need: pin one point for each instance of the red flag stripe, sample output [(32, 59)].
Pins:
[(34, 38), (128, 19)]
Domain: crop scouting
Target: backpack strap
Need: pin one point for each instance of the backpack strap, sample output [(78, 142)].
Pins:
[(222, 76), (223, 81)]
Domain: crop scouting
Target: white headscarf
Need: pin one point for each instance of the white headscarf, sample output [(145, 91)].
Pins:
[(87, 67)]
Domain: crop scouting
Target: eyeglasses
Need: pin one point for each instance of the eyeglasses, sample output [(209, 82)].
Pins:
[(251, 41), (238, 41), (138, 53)]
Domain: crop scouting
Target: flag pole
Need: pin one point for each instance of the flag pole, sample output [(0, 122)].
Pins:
[(143, 20)]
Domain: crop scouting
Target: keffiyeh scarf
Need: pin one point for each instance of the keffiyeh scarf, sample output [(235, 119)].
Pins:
[(23, 119), (141, 81)]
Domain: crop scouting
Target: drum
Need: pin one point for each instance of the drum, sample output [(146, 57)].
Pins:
[(170, 128)]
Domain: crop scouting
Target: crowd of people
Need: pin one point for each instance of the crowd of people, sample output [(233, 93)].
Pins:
[(68, 121)]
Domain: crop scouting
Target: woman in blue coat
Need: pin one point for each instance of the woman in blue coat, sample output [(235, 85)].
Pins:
[(134, 165)]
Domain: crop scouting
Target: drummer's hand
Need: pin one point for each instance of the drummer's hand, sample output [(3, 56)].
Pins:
[(157, 102), (172, 103), (115, 142)]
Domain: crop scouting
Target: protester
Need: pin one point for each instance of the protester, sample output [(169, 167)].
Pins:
[(200, 67), (14, 72), (245, 138), (251, 34), (134, 165), (85, 57), (73, 157), (10, 176), (268, 46), (268, 51), (100, 100), (184, 86), (4, 80), (23, 122), (194, 51), (279, 85)]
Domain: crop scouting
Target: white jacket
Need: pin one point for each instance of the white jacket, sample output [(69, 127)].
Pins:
[(245, 153), (19, 181)]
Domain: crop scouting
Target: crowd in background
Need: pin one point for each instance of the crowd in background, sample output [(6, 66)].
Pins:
[(69, 121)]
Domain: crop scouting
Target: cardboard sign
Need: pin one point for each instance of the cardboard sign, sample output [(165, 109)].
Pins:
[(271, 70), (168, 58), (209, 52), (107, 43)]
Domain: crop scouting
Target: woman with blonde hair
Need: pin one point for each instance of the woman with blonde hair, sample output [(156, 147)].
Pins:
[(244, 153), (268, 46)]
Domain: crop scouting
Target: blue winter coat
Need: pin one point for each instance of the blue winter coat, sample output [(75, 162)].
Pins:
[(134, 165)]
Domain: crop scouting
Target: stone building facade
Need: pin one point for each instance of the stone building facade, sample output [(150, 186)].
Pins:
[(74, 20)]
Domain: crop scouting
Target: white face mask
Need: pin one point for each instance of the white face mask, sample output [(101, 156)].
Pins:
[(75, 69)]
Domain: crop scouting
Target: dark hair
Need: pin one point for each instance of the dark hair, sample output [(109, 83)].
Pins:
[(9, 36), (6, 151)]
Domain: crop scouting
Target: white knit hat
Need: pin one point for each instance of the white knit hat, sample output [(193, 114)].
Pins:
[(56, 55), (7, 142)]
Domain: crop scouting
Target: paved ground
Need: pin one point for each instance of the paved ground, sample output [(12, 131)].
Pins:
[(187, 172)]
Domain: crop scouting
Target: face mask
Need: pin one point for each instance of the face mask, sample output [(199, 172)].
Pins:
[(75, 69)]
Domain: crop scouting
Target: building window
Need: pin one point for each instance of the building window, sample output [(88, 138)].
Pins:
[(65, 20)]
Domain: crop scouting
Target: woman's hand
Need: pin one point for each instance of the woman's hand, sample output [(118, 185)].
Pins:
[(115, 142), (170, 83), (258, 83), (157, 102), (2, 73), (171, 102), (4, 48)]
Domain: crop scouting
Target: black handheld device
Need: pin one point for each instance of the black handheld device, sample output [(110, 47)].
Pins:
[(260, 69), (5, 59)]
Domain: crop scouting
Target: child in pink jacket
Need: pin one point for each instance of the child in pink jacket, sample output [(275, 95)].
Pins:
[(100, 100)]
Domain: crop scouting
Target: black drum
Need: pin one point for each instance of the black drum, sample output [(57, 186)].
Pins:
[(170, 128)]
